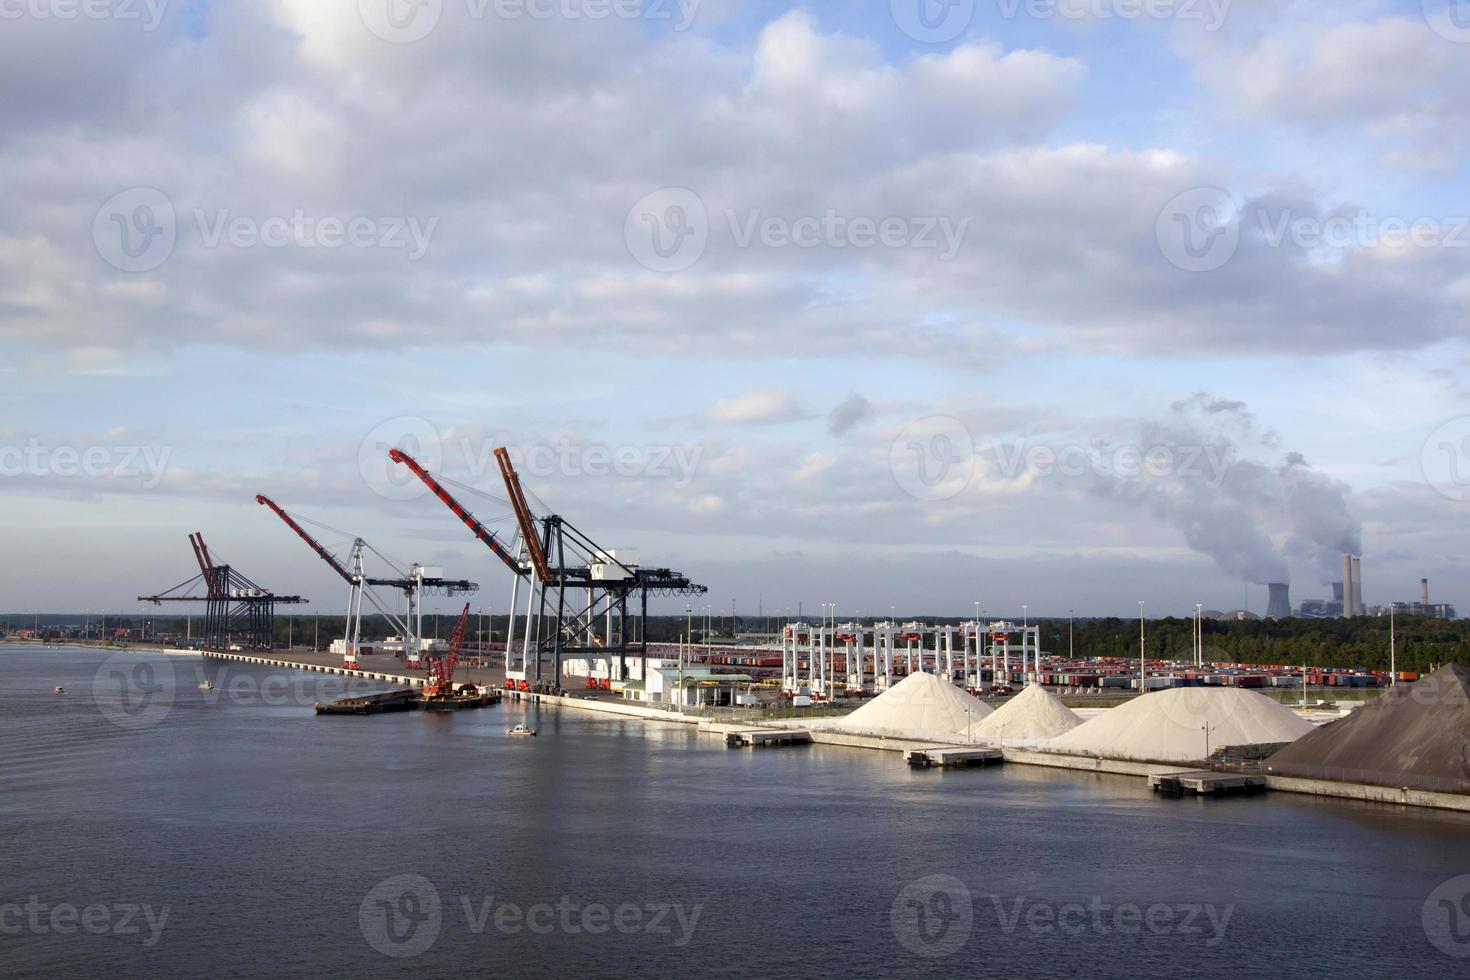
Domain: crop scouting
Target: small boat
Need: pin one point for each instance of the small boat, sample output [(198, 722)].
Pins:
[(207, 686), (520, 730), (58, 690)]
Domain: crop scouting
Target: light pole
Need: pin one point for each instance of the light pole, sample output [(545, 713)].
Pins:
[(1199, 636), (1069, 635), (688, 628), (1142, 670), (1393, 669)]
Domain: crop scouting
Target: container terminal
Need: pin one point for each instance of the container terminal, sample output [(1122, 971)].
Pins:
[(976, 692)]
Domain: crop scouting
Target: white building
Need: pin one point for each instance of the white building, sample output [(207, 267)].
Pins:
[(692, 687)]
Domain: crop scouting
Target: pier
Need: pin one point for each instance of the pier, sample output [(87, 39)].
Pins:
[(959, 758), (767, 738), (1206, 784)]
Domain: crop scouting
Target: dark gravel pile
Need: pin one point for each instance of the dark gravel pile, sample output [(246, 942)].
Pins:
[(1415, 735)]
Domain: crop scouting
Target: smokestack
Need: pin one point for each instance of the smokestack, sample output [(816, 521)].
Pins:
[(1358, 587), (1347, 585), (1280, 605), (1424, 593)]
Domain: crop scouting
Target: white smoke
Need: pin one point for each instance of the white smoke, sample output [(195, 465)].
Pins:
[(1259, 508)]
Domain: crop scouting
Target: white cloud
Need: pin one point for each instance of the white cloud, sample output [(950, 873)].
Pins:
[(763, 406)]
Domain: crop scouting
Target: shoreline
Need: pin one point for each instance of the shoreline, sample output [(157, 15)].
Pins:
[(1358, 792)]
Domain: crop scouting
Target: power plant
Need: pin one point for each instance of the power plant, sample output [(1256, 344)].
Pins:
[(1279, 605)]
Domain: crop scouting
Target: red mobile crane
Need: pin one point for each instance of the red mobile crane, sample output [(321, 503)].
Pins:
[(440, 685)]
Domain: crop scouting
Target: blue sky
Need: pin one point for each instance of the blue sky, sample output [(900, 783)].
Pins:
[(175, 295)]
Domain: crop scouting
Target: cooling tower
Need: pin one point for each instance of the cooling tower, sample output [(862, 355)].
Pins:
[(1279, 606)]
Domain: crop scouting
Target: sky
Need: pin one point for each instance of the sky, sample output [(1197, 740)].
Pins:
[(1059, 305)]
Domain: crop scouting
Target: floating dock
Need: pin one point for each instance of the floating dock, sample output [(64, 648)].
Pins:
[(767, 738), (1206, 784), (952, 758)]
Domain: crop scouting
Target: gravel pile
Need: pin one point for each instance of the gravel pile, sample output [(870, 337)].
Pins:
[(1414, 735), (1186, 724), (921, 707)]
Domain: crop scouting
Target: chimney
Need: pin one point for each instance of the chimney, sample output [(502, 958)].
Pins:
[(1424, 593), (1347, 585), (1358, 586), (1279, 607)]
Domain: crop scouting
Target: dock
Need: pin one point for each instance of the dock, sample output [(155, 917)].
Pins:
[(1206, 784), (767, 738), (953, 758)]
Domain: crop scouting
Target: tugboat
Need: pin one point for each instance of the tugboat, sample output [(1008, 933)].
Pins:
[(520, 730)]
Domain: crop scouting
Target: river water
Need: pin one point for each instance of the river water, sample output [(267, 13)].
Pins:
[(149, 828)]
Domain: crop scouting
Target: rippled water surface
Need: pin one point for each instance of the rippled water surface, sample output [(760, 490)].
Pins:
[(152, 829)]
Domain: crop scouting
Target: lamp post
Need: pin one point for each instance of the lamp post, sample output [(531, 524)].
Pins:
[(688, 630), (1198, 636), (1142, 670), (1069, 635), (1393, 668)]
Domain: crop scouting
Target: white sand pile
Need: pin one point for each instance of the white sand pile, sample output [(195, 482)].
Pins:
[(921, 707), (1029, 717), (1169, 726)]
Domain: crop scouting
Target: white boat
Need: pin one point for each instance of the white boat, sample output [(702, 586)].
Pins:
[(207, 686), (520, 730), (58, 690)]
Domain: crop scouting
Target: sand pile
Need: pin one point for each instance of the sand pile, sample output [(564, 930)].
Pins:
[(1028, 718), (1414, 735), (921, 707), (1170, 726)]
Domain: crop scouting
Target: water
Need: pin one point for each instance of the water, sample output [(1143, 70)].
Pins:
[(264, 841)]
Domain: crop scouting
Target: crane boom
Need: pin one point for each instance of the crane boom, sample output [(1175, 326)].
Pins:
[(470, 521), (441, 669), (311, 542), (523, 514)]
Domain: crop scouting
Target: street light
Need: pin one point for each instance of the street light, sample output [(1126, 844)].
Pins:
[(688, 629), (1069, 635), (1141, 669), (1393, 666), (1199, 636)]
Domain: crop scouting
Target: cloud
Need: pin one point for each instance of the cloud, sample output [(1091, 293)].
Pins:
[(764, 406)]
